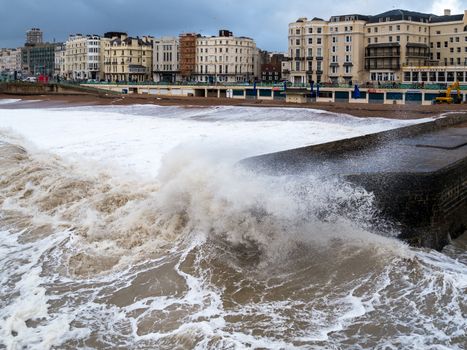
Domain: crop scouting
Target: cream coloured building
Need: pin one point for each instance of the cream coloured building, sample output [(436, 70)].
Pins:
[(327, 50), (60, 60), (226, 59), (10, 60), (126, 58), (448, 52), (166, 60), (386, 47), (82, 57)]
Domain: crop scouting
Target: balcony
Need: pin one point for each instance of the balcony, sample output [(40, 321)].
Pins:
[(309, 71), (416, 50), (299, 58), (319, 72), (319, 58), (309, 58), (286, 71), (383, 50), (333, 64)]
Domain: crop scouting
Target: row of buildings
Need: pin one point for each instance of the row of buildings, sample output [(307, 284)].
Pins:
[(115, 56), (394, 46)]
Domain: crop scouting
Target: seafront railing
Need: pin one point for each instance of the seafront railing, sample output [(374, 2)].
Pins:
[(395, 86)]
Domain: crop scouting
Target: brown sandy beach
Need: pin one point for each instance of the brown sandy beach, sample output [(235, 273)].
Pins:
[(359, 110)]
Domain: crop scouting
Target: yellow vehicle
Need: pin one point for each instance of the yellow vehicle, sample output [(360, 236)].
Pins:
[(448, 98)]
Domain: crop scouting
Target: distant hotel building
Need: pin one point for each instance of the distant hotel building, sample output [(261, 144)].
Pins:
[(166, 60), (127, 58), (10, 60), (226, 58), (219, 59), (82, 57), (396, 45)]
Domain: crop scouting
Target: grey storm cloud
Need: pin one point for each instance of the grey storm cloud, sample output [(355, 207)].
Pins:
[(264, 20)]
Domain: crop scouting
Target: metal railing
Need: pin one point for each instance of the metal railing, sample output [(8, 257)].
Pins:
[(369, 85)]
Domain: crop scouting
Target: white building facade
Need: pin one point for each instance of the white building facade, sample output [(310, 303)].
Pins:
[(60, 52), (82, 57), (10, 60), (226, 59), (166, 60)]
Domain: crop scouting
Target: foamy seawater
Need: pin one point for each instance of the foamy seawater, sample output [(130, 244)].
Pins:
[(133, 227)]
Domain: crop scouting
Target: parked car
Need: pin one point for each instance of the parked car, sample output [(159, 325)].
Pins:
[(30, 79)]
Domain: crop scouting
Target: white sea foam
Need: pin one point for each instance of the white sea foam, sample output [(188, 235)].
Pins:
[(137, 142), (5, 101)]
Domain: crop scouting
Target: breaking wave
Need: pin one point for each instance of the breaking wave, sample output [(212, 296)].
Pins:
[(209, 255)]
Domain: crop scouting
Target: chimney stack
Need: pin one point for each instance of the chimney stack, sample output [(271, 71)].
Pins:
[(447, 12)]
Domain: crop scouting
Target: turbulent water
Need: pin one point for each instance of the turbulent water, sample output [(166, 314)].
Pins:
[(133, 227)]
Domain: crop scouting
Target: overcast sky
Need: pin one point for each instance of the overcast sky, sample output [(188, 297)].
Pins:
[(264, 20)]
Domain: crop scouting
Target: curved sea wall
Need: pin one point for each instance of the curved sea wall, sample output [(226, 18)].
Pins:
[(417, 173)]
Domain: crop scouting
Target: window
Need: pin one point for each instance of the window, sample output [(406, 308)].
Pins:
[(390, 28), (310, 41), (297, 31), (310, 30), (398, 38), (369, 40), (333, 49), (390, 39), (369, 30), (297, 41), (348, 48), (398, 27), (319, 30), (318, 41)]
